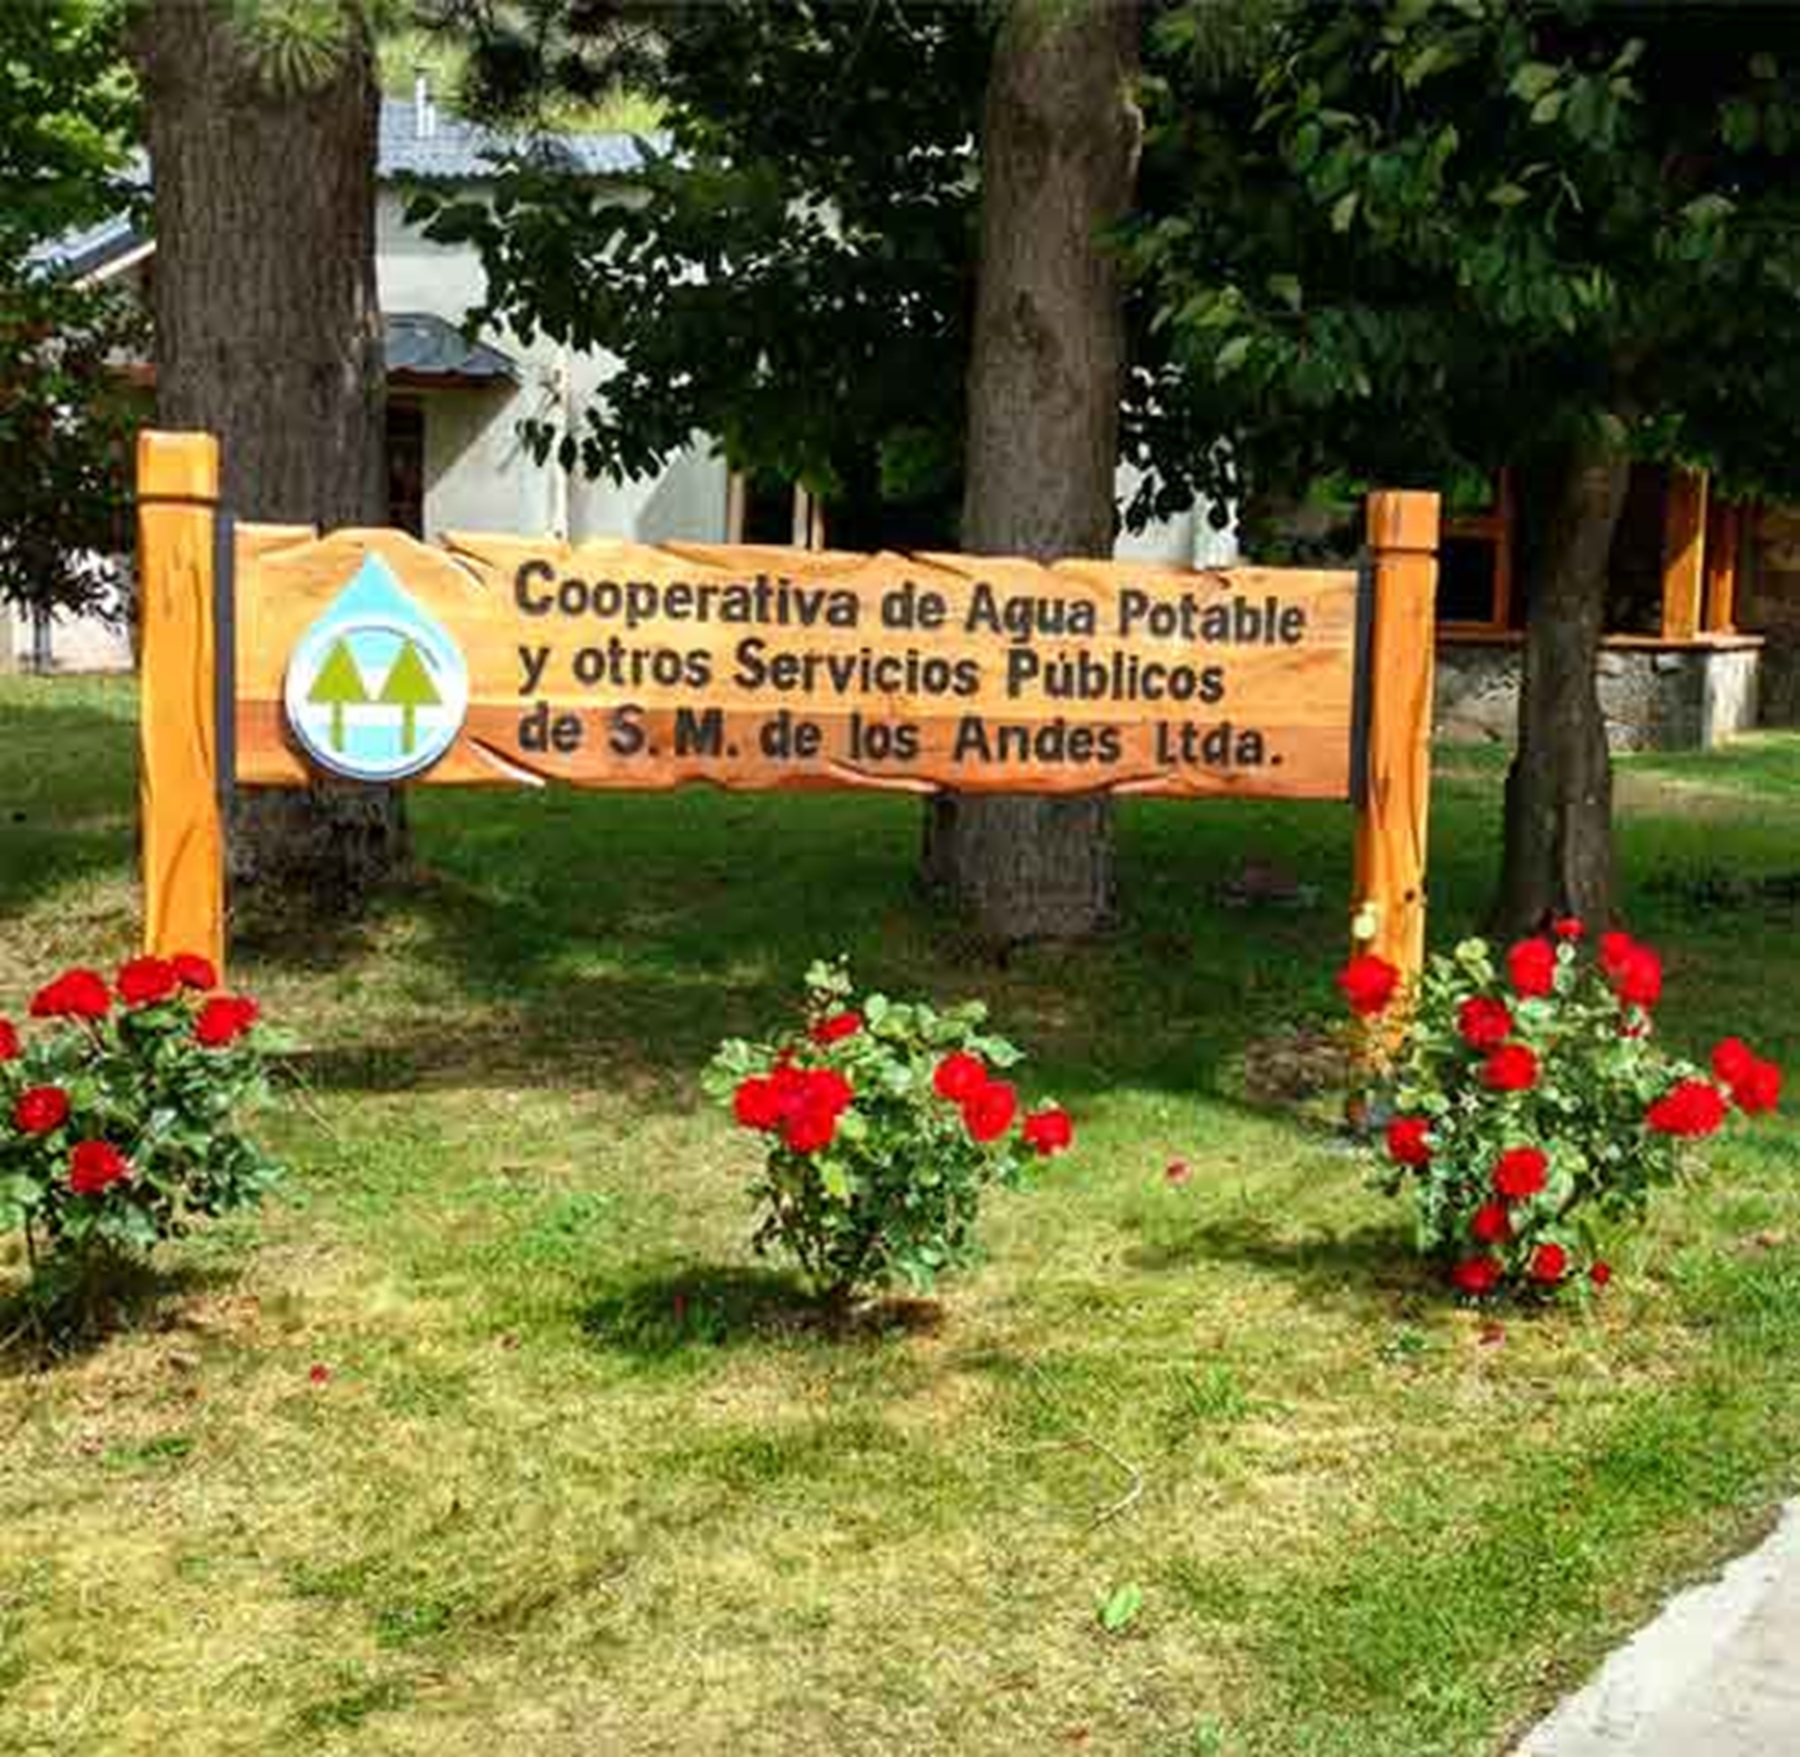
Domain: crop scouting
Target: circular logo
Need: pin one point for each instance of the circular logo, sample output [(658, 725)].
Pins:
[(376, 694)]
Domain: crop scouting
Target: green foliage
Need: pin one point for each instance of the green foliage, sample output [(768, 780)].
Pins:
[(162, 1084), (889, 1184), (66, 413), (1119, 1609), (1440, 236)]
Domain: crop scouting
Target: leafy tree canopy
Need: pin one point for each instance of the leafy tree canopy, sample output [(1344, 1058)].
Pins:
[(66, 113), (1442, 235)]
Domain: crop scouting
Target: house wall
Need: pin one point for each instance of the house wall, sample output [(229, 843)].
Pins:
[(1769, 603)]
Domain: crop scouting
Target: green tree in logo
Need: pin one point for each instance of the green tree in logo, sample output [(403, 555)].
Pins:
[(409, 688), (338, 685)]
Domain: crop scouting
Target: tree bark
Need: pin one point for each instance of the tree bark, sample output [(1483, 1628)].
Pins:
[(1059, 151), (268, 334), (1558, 856)]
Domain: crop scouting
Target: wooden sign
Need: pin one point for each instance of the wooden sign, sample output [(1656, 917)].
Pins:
[(367, 655)]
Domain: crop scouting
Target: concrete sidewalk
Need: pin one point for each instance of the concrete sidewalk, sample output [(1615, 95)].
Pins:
[(1717, 1674)]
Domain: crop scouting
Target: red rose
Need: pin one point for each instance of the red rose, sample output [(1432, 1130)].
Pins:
[(1485, 1023), (809, 1128), (194, 971), (1732, 1061), (828, 1089), (1048, 1130), (1511, 1068), (988, 1113), (224, 1019), (1476, 1276), (1568, 927), (76, 994), (1406, 1143), (1759, 1090), (1691, 1109), (1490, 1224), (1520, 1172), (40, 1109), (837, 1028), (9, 1041), (810, 1104), (95, 1166), (959, 1076), (1368, 984), (145, 981), (1549, 1263), (1600, 1274), (1531, 967), (1615, 952), (755, 1104), (1639, 977)]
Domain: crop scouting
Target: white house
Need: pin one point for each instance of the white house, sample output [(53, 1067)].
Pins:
[(455, 458)]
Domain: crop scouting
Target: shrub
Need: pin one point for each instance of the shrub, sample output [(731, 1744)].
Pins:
[(119, 1117), (1528, 1101), (884, 1122)]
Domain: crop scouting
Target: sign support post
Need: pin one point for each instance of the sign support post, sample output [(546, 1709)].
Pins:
[(178, 781), (1388, 895)]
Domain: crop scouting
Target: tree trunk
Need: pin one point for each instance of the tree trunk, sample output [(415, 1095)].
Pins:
[(268, 334), (1558, 858), (1059, 149)]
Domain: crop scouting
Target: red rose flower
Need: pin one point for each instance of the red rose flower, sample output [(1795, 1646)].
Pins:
[(1732, 1061), (1520, 1172), (1759, 1090), (1048, 1130), (145, 981), (1568, 927), (1406, 1143), (1600, 1274), (1637, 976), (1511, 1068), (1368, 984), (809, 1128), (1476, 1276), (1490, 1224), (1615, 952), (95, 1166), (959, 1076), (194, 971), (224, 1019), (1691, 1109), (989, 1113), (837, 1028), (755, 1104), (1549, 1263), (40, 1109), (810, 1104), (76, 994), (1531, 967), (1484, 1023), (9, 1041)]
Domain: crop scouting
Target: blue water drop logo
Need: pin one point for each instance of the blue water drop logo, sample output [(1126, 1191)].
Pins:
[(376, 689)]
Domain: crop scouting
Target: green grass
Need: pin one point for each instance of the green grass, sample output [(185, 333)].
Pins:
[(580, 1479)]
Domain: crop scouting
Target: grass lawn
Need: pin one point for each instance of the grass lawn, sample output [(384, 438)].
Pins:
[(579, 1481)]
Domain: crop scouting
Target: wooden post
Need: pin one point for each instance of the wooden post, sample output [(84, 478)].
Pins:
[(1684, 553), (178, 785), (1722, 523), (1389, 886)]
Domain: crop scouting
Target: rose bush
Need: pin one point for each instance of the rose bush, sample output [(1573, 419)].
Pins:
[(883, 1123), (1528, 1099), (120, 1115)]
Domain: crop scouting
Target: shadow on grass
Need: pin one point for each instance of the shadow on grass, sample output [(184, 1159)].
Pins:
[(46, 1326), (677, 1309), (1371, 1268)]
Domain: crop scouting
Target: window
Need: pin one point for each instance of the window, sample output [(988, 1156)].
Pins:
[(406, 467), (762, 507), (1475, 567)]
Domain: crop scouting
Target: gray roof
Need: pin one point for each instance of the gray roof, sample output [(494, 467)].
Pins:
[(418, 345), (447, 150)]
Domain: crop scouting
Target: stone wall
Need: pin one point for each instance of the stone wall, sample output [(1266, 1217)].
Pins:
[(1667, 698)]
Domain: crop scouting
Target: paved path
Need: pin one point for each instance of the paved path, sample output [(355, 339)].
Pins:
[(1716, 1675)]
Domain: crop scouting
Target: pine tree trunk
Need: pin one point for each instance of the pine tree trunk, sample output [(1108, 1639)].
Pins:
[(1558, 858), (1058, 161), (268, 334)]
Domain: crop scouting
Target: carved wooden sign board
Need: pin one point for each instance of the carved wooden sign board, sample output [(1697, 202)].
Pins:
[(366, 655)]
